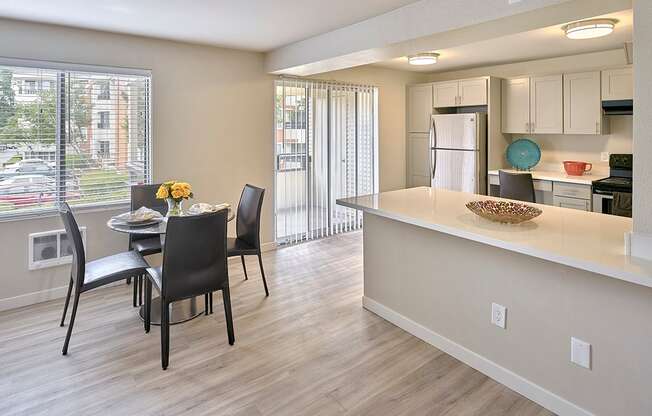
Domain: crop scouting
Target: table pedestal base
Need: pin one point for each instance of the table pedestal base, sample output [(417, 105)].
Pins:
[(180, 311)]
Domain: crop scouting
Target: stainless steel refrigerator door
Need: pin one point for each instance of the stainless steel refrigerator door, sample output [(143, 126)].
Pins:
[(455, 131), (455, 170)]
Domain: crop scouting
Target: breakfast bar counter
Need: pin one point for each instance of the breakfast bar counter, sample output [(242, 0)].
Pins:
[(434, 268)]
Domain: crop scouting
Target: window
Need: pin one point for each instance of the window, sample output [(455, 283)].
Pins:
[(326, 148), (60, 141), (105, 149), (104, 120), (105, 91)]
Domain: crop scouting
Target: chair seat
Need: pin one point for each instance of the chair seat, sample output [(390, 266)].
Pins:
[(113, 268), (238, 247), (147, 246)]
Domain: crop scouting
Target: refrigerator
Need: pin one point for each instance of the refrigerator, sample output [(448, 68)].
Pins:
[(458, 152)]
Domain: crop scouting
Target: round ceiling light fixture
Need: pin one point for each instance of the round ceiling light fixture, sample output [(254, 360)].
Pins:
[(426, 58), (588, 29)]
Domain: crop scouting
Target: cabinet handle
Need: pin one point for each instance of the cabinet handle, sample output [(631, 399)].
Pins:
[(597, 127), (527, 127), (532, 127)]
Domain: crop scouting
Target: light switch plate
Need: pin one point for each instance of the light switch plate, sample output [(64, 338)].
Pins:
[(581, 353)]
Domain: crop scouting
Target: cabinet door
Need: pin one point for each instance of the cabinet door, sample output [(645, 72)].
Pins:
[(446, 94), (582, 104), (516, 105), (419, 160), (473, 92), (419, 108), (618, 84), (546, 104), (572, 203)]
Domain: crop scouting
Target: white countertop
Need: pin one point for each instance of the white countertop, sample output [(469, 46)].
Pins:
[(584, 240), (557, 176)]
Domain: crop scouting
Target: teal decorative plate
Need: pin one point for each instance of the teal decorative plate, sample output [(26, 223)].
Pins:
[(523, 154)]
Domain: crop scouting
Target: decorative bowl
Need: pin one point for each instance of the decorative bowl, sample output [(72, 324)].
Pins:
[(523, 154), (505, 212)]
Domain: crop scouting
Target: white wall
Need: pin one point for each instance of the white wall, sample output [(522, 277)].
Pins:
[(556, 148), (643, 122), (212, 126)]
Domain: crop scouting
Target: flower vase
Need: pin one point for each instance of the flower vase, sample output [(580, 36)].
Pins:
[(174, 207)]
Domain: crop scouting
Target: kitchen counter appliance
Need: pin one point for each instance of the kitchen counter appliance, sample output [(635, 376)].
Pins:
[(613, 195)]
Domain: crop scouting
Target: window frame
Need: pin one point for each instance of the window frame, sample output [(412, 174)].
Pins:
[(63, 68)]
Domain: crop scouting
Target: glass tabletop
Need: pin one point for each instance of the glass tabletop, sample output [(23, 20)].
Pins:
[(153, 229)]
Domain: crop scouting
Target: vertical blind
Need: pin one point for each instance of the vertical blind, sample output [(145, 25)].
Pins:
[(326, 147), (66, 135)]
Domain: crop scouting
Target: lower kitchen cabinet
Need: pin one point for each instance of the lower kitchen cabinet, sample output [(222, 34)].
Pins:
[(573, 203)]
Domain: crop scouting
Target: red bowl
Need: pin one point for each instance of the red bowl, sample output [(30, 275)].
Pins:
[(575, 168)]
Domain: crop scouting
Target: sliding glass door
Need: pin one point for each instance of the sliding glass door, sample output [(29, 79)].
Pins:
[(326, 148)]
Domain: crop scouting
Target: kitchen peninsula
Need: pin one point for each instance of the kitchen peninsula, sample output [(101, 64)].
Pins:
[(434, 269)]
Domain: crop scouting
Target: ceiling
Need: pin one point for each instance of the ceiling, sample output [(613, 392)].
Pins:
[(259, 25), (541, 43)]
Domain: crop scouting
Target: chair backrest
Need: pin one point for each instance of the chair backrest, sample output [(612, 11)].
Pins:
[(517, 186), (78, 269), (247, 225), (145, 196), (194, 257)]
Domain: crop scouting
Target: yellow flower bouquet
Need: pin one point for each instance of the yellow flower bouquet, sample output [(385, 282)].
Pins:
[(174, 193)]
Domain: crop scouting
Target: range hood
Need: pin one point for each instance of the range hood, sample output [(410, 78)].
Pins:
[(618, 107)]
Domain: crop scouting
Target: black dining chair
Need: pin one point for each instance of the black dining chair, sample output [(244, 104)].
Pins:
[(194, 264), (517, 186), (85, 276), (145, 196), (247, 228)]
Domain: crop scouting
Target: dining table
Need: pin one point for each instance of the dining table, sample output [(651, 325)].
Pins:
[(180, 311)]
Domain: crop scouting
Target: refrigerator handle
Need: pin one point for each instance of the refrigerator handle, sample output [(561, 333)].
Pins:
[(433, 147)]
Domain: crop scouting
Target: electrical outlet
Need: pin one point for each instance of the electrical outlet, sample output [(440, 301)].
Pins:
[(498, 315), (581, 353), (604, 156)]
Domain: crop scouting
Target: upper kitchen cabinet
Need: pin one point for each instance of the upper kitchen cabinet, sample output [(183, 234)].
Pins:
[(446, 94), (546, 112), (618, 84), (419, 103), (516, 105), (533, 105), (460, 93), (582, 104)]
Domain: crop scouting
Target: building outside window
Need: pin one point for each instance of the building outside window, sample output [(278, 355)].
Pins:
[(104, 150), (104, 120)]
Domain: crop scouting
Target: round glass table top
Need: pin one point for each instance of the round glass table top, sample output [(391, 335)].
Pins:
[(153, 229)]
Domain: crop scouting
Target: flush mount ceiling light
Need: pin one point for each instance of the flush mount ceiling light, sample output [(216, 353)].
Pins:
[(588, 29), (425, 58)]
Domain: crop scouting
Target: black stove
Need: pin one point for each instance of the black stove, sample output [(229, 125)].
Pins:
[(618, 185)]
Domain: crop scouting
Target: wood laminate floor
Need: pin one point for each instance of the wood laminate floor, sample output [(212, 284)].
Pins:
[(308, 349)]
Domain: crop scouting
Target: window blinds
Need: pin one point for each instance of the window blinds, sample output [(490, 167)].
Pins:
[(79, 137), (326, 149)]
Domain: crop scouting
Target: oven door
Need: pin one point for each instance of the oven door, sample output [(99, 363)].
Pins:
[(602, 202)]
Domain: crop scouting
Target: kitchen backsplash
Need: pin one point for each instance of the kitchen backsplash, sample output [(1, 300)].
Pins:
[(587, 148)]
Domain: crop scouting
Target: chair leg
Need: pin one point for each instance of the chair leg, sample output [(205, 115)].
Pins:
[(226, 296), (244, 267), (148, 305), (72, 323), (210, 302), (205, 304), (140, 290), (65, 306), (165, 334), (262, 272), (135, 291)]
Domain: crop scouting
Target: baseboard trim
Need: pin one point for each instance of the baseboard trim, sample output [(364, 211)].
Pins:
[(532, 391), (33, 298)]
